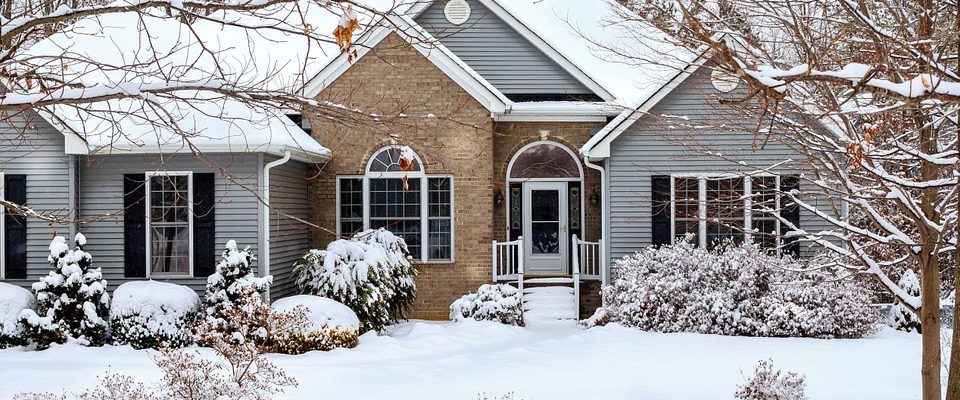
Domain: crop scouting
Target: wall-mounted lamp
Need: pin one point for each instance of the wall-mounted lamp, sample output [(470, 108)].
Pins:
[(594, 198), (497, 198)]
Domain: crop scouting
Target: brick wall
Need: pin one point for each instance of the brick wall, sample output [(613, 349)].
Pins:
[(456, 139)]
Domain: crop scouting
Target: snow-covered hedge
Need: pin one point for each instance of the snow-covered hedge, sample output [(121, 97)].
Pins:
[(900, 317), (325, 324), (13, 300), (735, 290), (371, 273), (490, 303), (770, 384), (72, 300), (150, 314)]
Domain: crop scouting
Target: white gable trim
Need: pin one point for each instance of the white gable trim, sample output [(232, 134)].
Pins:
[(548, 50), (73, 142), (451, 65), (599, 145)]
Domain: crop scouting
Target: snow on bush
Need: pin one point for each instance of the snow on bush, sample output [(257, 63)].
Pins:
[(72, 300), (900, 317), (769, 384), (371, 273), (490, 303), (234, 285), (325, 325), (13, 300), (735, 290), (150, 314)]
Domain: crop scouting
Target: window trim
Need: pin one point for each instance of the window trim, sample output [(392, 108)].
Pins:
[(424, 204), (146, 215), (747, 194)]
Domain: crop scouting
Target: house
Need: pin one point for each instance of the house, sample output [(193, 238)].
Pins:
[(548, 138), (538, 158)]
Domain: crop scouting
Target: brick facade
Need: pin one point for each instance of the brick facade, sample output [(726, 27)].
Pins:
[(453, 134)]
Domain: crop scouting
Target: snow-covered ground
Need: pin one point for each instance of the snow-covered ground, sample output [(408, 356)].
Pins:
[(428, 360)]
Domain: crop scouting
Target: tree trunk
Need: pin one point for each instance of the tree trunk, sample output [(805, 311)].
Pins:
[(931, 365), (953, 379)]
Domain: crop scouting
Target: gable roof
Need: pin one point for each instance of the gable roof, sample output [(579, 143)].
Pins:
[(403, 25), (582, 36)]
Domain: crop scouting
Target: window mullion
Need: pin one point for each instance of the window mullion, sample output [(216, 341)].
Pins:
[(673, 209), (366, 203)]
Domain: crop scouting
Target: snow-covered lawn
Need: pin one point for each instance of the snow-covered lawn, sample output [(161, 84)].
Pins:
[(428, 360)]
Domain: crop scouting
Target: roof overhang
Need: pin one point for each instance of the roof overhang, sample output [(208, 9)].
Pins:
[(276, 150)]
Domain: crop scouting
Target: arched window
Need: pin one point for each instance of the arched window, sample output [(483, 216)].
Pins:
[(411, 204), (544, 160)]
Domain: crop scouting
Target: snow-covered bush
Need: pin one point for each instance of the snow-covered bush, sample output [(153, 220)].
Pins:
[(900, 317), (318, 323), (735, 290), (232, 285), (13, 300), (72, 300), (150, 314), (371, 273), (770, 384), (490, 303)]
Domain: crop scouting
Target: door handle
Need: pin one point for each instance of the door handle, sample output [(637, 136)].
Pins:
[(564, 228)]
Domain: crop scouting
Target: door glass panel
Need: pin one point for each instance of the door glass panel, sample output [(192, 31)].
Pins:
[(545, 205), (545, 221)]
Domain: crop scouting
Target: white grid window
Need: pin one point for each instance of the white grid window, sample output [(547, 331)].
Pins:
[(169, 224), (409, 203), (718, 208)]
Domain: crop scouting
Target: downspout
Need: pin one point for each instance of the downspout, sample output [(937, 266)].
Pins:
[(604, 221), (265, 209)]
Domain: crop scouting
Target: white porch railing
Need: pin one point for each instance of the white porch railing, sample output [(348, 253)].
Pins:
[(508, 262), (586, 259)]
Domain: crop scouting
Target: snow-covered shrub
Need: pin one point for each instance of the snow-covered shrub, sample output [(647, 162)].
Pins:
[(900, 317), (317, 323), (770, 384), (490, 303), (150, 314), (72, 300), (232, 285), (735, 290), (13, 300), (371, 273)]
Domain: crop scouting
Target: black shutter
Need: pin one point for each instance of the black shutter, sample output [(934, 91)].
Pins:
[(15, 263), (660, 209), (134, 226), (790, 211), (204, 225)]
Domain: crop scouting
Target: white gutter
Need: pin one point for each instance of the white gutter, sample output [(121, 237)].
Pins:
[(604, 222), (265, 209)]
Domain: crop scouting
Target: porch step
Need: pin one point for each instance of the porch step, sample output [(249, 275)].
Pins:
[(549, 280), (549, 304)]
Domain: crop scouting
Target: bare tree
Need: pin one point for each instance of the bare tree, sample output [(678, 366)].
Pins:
[(868, 91)]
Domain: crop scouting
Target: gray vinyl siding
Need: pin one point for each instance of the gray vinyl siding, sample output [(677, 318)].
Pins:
[(289, 239), (498, 53), (659, 144), (101, 201), (30, 146)]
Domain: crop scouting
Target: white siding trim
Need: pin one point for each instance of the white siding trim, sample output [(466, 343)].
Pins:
[(3, 229)]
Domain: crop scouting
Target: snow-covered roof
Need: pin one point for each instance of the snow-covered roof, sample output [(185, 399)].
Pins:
[(268, 58), (594, 36)]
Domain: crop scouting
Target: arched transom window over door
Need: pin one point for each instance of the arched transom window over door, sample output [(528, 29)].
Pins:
[(420, 211), (544, 160)]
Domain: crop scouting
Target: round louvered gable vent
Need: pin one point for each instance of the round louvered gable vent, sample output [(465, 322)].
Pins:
[(457, 11)]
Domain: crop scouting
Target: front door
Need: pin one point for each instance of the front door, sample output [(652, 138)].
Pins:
[(545, 228)]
